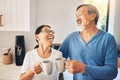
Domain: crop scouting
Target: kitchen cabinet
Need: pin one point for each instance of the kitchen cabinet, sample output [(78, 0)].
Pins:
[(16, 15)]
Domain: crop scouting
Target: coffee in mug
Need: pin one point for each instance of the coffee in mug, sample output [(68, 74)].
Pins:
[(60, 64)]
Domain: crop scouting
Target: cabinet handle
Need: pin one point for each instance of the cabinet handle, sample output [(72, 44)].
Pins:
[(1, 20)]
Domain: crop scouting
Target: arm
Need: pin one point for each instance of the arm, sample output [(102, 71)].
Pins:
[(109, 69), (27, 76), (36, 69)]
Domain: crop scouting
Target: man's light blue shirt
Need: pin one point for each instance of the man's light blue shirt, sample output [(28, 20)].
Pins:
[(99, 55)]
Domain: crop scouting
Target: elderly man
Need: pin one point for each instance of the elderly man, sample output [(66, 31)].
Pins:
[(92, 52)]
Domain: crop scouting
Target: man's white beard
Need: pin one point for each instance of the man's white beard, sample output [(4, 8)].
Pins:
[(80, 28)]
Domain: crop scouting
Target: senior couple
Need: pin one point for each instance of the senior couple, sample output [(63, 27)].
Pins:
[(92, 52)]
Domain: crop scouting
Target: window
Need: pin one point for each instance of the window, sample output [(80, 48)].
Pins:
[(103, 8)]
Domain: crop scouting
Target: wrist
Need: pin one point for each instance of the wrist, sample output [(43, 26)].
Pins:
[(32, 71), (83, 69)]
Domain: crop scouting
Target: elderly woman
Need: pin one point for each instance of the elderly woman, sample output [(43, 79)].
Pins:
[(31, 69)]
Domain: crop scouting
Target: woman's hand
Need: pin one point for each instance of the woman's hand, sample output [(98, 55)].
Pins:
[(36, 69)]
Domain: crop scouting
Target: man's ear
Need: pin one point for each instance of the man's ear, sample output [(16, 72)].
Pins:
[(93, 16)]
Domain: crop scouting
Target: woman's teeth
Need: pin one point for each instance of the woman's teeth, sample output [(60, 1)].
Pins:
[(50, 38)]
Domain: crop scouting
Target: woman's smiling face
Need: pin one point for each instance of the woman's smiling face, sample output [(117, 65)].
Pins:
[(46, 36)]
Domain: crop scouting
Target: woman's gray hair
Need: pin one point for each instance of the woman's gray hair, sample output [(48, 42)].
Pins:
[(90, 9)]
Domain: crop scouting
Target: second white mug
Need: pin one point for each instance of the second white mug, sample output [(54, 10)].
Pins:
[(60, 64)]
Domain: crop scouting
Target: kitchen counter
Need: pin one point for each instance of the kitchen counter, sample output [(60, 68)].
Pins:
[(9, 71)]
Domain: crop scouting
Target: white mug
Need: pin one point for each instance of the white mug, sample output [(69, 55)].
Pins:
[(47, 66), (60, 64)]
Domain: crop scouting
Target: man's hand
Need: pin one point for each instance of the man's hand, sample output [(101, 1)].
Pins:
[(74, 66)]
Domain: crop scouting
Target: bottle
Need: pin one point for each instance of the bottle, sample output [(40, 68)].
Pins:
[(19, 50)]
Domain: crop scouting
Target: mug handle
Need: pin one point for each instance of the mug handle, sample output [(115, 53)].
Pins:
[(41, 66)]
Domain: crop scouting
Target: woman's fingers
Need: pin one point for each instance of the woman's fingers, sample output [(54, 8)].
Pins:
[(37, 68)]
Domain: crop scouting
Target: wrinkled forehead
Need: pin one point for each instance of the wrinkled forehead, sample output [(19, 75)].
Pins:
[(81, 10)]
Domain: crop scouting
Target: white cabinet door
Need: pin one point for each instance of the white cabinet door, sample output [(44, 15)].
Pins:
[(16, 15)]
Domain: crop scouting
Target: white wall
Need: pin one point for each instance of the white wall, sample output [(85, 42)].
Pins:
[(117, 23), (114, 20), (59, 14), (111, 17)]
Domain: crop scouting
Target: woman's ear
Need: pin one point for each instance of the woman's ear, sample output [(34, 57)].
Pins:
[(36, 37)]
